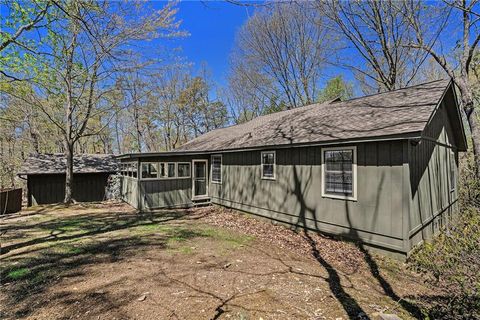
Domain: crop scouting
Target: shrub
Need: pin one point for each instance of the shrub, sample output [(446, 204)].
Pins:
[(452, 260), (469, 184)]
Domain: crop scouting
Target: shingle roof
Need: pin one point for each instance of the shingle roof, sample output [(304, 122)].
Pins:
[(396, 112), (56, 163)]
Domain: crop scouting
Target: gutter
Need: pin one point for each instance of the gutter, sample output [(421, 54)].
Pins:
[(408, 136)]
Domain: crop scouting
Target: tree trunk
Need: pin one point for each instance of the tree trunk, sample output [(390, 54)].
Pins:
[(68, 171), (473, 121)]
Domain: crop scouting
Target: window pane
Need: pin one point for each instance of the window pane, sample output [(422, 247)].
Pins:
[(268, 158), (171, 170), (200, 170), (134, 169), (338, 172), (339, 160), (340, 183), (217, 168), (183, 170), (162, 170), (149, 170), (268, 170)]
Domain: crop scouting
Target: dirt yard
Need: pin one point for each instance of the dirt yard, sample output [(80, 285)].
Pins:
[(105, 261)]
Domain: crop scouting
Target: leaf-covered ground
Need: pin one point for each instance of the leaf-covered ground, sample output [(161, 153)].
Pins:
[(105, 261)]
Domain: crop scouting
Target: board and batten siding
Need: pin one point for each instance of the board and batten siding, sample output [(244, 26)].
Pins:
[(129, 191), (161, 193), (50, 188), (295, 196), (166, 193), (433, 198)]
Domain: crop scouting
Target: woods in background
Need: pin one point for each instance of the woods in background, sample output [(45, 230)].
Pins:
[(82, 77)]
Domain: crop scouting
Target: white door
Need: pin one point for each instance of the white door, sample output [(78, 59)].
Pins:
[(199, 178)]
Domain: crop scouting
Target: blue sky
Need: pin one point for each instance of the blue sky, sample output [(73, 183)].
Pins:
[(212, 26)]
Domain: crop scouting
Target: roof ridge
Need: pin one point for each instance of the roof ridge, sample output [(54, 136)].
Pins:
[(394, 90)]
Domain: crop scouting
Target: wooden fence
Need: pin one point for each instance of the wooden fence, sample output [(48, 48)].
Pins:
[(10, 200)]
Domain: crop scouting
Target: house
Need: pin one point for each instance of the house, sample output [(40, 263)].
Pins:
[(45, 175), (381, 169)]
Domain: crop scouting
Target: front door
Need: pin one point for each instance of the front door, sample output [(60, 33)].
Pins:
[(199, 178)]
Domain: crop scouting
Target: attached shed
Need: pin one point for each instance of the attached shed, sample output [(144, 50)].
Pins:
[(381, 169), (45, 174)]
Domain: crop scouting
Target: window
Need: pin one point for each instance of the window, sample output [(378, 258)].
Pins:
[(134, 169), (149, 170), (268, 165), (339, 172), (183, 170), (217, 169), (167, 170), (453, 176), (171, 170)]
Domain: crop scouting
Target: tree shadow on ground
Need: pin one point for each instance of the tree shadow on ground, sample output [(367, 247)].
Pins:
[(78, 241), (87, 225), (350, 305)]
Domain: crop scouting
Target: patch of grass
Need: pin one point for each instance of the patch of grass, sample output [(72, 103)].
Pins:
[(150, 227), (183, 234), (71, 225), (227, 237), (186, 250), (19, 273), (68, 249)]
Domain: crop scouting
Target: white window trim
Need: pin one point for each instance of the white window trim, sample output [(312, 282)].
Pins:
[(353, 197), (149, 162), (189, 171), (211, 168), (274, 165)]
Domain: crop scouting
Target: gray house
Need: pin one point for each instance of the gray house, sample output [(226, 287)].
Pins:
[(45, 175), (381, 168)]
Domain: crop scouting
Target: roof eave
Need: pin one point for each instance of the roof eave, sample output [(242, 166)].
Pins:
[(403, 136)]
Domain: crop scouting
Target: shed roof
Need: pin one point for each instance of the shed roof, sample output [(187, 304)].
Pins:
[(398, 112), (56, 163)]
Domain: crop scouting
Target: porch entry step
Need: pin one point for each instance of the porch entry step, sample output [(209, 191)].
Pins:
[(201, 201)]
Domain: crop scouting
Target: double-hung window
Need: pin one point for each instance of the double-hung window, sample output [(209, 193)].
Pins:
[(268, 164), (339, 169), (217, 168), (149, 170)]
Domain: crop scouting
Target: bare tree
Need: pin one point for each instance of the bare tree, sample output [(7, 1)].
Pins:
[(280, 52), (377, 33), (86, 51), (457, 61)]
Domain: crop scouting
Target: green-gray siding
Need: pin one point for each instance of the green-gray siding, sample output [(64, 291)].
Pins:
[(130, 191), (168, 193), (50, 188), (160, 193), (404, 192), (295, 195), (433, 198)]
